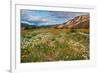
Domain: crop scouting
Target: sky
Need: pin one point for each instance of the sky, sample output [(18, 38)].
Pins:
[(43, 18)]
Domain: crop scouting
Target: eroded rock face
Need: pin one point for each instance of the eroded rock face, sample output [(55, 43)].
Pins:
[(77, 22)]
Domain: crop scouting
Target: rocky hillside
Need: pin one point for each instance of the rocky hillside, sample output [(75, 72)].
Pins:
[(77, 22)]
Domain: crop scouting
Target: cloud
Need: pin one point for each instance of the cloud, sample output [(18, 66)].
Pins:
[(37, 19), (29, 16), (67, 14), (26, 22)]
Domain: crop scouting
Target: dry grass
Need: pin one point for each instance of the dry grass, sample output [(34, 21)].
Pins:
[(40, 45)]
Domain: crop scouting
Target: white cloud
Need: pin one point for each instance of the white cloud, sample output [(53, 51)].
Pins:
[(25, 22), (37, 18)]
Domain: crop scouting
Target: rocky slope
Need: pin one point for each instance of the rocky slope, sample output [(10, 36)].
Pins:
[(77, 22)]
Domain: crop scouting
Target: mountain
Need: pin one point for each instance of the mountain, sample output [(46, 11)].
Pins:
[(77, 22), (27, 26)]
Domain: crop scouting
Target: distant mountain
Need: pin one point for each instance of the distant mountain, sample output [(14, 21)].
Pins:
[(25, 25), (77, 22)]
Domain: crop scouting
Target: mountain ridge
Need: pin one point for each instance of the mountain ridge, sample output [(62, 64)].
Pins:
[(77, 22)]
